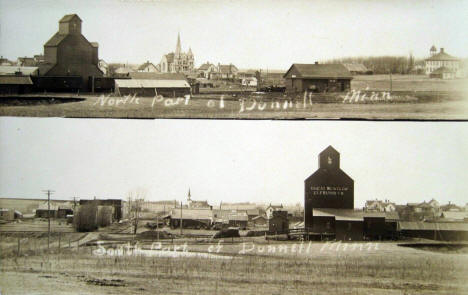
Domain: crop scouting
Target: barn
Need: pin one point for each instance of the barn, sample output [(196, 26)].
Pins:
[(317, 78), (151, 88)]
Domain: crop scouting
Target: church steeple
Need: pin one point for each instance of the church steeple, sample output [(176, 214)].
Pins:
[(189, 197), (178, 46)]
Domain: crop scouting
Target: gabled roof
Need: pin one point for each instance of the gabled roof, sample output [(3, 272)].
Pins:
[(320, 71), (442, 56), (146, 64), (68, 18), (205, 66), (227, 69), (56, 39), (329, 149)]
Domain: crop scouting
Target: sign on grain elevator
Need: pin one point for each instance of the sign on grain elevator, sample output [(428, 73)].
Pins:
[(328, 187)]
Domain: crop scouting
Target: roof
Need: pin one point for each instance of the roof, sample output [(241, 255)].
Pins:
[(346, 214), (442, 70), (15, 80), (146, 64), (124, 70), (205, 66), (142, 83), (455, 215), (11, 70), (157, 76), (275, 206), (94, 44), (192, 214), (56, 39), (442, 56), (329, 149), (69, 17), (320, 71), (259, 217), (418, 225), (227, 69), (356, 67)]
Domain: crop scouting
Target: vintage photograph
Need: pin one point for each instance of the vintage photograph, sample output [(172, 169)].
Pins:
[(105, 206), (387, 59)]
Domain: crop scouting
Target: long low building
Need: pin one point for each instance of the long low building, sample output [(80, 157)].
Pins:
[(443, 231), (352, 225), (146, 87)]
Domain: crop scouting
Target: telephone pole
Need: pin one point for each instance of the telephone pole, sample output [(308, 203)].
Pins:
[(181, 218), (48, 192)]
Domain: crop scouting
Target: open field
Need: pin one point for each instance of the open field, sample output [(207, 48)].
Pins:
[(247, 266), (413, 97)]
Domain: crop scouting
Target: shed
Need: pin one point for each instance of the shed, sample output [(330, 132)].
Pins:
[(445, 231), (143, 87), (317, 78), (15, 84)]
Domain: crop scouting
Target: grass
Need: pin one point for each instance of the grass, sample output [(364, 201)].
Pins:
[(435, 99), (386, 269)]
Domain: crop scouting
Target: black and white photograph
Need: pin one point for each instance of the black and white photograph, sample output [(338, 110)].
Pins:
[(233, 147), (266, 59)]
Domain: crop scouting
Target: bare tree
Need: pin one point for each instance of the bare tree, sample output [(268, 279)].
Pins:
[(136, 199)]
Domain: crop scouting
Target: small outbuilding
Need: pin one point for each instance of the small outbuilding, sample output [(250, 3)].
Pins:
[(317, 78), (15, 84)]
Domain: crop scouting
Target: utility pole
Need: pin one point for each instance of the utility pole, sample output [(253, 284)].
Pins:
[(181, 218), (49, 192)]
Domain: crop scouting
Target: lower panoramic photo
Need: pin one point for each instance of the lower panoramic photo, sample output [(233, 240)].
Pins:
[(104, 206)]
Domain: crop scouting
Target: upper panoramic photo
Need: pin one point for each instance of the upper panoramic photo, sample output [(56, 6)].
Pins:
[(377, 60)]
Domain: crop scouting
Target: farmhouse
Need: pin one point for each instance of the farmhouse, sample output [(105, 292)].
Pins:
[(317, 78), (69, 53)]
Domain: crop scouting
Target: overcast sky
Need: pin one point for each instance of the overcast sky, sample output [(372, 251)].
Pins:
[(229, 160), (249, 34)]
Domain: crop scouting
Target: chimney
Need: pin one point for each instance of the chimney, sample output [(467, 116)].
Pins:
[(441, 50)]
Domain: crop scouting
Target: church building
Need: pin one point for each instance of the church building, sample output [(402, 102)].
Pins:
[(178, 61)]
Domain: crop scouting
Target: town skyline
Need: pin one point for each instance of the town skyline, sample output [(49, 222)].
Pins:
[(248, 35), (230, 161)]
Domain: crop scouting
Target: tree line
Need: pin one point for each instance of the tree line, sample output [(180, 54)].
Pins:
[(385, 64)]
